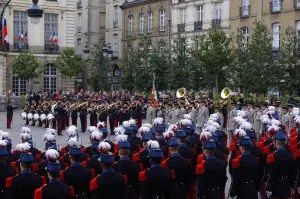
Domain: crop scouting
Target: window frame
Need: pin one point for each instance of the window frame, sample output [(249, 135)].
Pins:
[(79, 23), (50, 75), (16, 85), (181, 15), (149, 21), (275, 46), (141, 23), (22, 25), (199, 13), (218, 11), (279, 8), (116, 17), (162, 20), (130, 24), (52, 24)]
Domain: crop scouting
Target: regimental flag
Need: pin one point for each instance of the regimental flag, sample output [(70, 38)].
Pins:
[(4, 31), (153, 95)]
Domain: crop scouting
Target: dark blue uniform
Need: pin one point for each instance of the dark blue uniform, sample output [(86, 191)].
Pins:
[(6, 172), (245, 179), (55, 189), (131, 170), (211, 178), (109, 185)]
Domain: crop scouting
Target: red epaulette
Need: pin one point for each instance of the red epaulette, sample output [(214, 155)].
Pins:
[(293, 132), (260, 145), (94, 184), (200, 168), (293, 141), (116, 148), (271, 158), (72, 193), (15, 167), (136, 157), (200, 158), (262, 139), (38, 156), (232, 146), (8, 182), (235, 163), (143, 176), (164, 163), (38, 193), (293, 148), (266, 150), (44, 180), (63, 150)]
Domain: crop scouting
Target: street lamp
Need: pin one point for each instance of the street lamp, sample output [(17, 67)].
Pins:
[(34, 11)]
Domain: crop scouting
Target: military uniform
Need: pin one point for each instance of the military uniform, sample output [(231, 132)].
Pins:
[(83, 119), (202, 117), (151, 114), (54, 189), (175, 115), (74, 115)]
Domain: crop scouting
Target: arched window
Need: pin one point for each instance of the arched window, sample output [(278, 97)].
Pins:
[(50, 78), (19, 86), (115, 42)]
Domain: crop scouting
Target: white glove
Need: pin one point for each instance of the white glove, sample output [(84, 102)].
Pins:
[(269, 193)]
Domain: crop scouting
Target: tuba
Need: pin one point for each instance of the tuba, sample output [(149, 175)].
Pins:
[(180, 93), (225, 93)]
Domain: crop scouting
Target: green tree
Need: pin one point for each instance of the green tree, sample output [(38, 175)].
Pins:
[(159, 64), (179, 68), (216, 55), (69, 63), (26, 66), (261, 70), (289, 72)]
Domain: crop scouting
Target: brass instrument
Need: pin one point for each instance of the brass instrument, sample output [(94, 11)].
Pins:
[(180, 93), (225, 93)]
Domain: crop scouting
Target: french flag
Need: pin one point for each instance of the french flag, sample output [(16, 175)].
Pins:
[(51, 38), (55, 38), (4, 31), (21, 36)]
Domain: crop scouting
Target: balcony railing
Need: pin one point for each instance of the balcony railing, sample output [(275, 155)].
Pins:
[(245, 11), (275, 8), (197, 25), (216, 23), (161, 28), (297, 4), (181, 27), (19, 46), (51, 48)]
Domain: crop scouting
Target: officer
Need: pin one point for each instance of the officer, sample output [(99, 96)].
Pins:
[(51, 156), (55, 188), (184, 150), (83, 118), (143, 156), (6, 170), (245, 178), (231, 125), (59, 116), (128, 168), (156, 181), (281, 173), (23, 185), (110, 184), (182, 169), (77, 175), (202, 116), (93, 117), (9, 114), (211, 174), (74, 116)]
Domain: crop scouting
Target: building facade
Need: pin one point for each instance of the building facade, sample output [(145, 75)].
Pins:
[(44, 37), (113, 38), (89, 31), (277, 15), (144, 17), (190, 18)]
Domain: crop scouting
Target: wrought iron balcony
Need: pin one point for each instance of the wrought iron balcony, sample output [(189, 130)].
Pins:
[(245, 11), (197, 25), (19, 46), (181, 27), (216, 23), (51, 48)]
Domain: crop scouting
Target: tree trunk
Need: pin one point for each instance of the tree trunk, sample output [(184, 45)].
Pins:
[(216, 84)]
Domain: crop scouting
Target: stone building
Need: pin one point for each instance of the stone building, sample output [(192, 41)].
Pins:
[(44, 37), (277, 15), (190, 18), (145, 17)]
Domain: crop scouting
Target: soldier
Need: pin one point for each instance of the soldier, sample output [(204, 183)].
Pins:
[(256, 121), (285, 119), (156, 181), (182, 110), (9, 114), (93, 117), (183, 171), (55, 188), (211, 174), (220, 116), (245, 179), (59, 117), (110, 184), (168, 113), (74, 115), (23, 185), (6, 170), (175, 113), (281, 174), (194, 112), (128, 168), (202, 116), (231, 125), (143, 156), (150, 113), (291, 117), (77, 175), (83, 118)]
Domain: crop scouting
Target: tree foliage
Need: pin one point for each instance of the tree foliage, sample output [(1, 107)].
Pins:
[(69, 63), (26, 66)]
